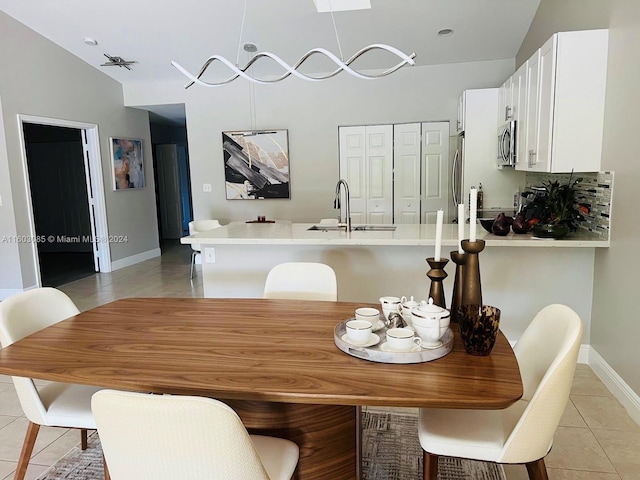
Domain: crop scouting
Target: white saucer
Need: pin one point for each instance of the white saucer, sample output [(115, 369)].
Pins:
[(373, 340), (385, 348), (438, 344)]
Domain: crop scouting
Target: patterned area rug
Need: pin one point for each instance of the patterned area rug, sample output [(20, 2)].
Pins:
[(390, 451)]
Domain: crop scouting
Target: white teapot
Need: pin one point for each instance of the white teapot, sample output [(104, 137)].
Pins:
[(430, 322)]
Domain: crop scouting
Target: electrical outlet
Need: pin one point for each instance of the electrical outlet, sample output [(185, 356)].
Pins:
[(206, 187), (210, 255)]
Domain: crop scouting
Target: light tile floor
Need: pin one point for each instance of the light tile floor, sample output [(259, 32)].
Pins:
[(596, 439)]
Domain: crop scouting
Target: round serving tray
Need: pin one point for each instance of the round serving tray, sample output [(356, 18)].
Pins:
[(375, 354)]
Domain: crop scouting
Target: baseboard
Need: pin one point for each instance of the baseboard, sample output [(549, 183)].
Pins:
[(616, 385), (7, 292), (133, 259)]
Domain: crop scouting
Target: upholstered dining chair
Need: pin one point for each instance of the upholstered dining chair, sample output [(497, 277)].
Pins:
[(523, 433), (55, 404), (197, 226), (169, 437), (302, 281)]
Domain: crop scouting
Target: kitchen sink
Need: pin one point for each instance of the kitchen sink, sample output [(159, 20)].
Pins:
[(357, 228)]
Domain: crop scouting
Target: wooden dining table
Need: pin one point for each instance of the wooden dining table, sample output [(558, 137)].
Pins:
[(274, 361)]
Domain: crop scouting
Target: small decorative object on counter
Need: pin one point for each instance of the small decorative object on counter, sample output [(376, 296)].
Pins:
[(480, 199), (520, 224), (471, 289), (479, 325), (501, 225), (556, 209), (437, 275)]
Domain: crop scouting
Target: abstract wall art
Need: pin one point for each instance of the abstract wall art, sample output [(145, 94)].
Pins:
[(128, 169), (256, 164)]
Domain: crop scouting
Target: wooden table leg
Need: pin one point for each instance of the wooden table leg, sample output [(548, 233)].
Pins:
[(325, 434)]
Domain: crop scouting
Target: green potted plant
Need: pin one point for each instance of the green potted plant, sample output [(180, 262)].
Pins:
[(560, 212)]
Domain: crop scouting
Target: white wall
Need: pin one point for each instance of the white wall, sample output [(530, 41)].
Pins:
[(615, 328), (312, 113), (41, 79)]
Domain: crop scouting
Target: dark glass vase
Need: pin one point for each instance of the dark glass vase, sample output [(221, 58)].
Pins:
[(479, 326), (550, 230)]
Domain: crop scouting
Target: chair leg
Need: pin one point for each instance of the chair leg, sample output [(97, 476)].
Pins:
[(27, 449), (430, 466), (193, 263), (83, 439), (537, 470)]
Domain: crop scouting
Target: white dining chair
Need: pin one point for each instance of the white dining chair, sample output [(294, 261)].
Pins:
[(55, 404), (172, 437), (198, 226), (523, 433), (301, 281)]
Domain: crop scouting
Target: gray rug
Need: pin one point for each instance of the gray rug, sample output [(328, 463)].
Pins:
[(390, 451)]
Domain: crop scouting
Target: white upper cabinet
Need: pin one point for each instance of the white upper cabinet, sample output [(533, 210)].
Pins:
[(566, 83), (519, 112), (506, 99), (461, 113)]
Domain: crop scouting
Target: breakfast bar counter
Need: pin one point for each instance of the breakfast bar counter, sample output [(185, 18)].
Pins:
[(519, 274)]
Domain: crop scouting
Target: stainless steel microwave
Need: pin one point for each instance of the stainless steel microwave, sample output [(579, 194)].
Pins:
[(507, 144)]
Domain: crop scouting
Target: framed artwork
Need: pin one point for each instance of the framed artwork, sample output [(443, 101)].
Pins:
[(128, 167), (256, 164)]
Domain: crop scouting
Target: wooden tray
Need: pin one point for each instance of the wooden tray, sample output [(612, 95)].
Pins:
[(375, 354)]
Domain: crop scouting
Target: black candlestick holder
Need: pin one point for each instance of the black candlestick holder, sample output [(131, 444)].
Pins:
[(472, 290), (460, 259), (437, 275)]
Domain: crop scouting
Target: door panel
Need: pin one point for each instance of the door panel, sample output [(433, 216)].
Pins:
[(435, 168), (352, 169), (379, 164), (169, 191), (406, 167)]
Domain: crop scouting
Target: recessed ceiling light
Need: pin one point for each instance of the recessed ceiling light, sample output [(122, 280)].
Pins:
[(90, 41), (250, 47), (445, 32)]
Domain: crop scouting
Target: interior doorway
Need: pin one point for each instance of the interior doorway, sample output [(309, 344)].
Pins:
[(65, 199), (55, 161)]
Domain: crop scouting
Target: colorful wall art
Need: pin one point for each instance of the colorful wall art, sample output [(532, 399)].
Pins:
[(128, 169), (256, 164)]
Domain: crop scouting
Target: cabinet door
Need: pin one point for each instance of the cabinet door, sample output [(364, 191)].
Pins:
[(546, 99), (353, 170), (505, 102), (406, 173), (520, 114), (531, 136)]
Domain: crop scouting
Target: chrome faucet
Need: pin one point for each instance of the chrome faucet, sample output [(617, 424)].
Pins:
[(336, 202)]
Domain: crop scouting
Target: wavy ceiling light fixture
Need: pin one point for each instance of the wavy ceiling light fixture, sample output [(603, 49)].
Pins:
[(293, 70)]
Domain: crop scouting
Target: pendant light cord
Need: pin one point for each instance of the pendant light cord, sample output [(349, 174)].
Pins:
[(335, 29), (244, 15)]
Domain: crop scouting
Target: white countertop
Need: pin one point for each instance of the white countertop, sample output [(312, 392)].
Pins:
[(241, 233)]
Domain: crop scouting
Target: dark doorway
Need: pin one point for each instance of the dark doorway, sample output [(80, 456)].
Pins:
[(55, 160)]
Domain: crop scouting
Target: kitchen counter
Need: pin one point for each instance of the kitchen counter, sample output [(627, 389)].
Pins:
[(241, 233)]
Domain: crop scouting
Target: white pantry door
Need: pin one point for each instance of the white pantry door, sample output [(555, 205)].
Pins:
[(366, 163), (406, 173), (435, 170)]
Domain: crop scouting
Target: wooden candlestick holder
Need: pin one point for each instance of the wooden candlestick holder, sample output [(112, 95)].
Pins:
[(472, 290), (437, 275), (460, 259)]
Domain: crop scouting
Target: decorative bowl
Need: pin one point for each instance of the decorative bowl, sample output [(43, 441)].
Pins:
[(486, 223)]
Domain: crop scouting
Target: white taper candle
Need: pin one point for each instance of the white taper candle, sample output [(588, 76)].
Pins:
[(460, 227), (473, 214), (438, 235)]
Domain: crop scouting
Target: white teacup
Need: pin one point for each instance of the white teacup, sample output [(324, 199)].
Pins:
[(367, 313), (401, 339), (390, 305), (359, 331)]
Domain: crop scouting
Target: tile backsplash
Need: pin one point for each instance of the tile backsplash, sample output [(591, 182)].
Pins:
[(595, 191)]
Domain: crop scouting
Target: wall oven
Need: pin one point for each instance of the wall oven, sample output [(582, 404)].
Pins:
[(507, 144)]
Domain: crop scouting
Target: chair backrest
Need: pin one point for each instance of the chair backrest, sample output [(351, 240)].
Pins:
[(24, 314), (302, 281), (197, 226), (165, 437), (547, 354)]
